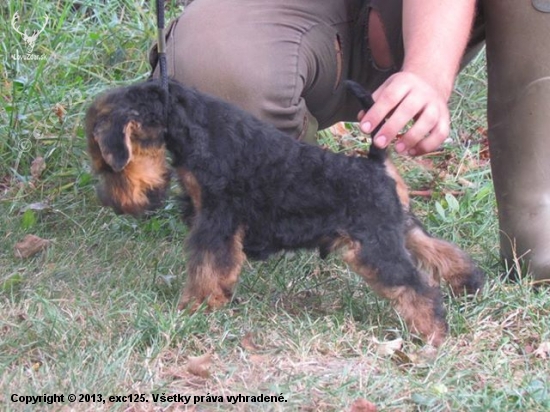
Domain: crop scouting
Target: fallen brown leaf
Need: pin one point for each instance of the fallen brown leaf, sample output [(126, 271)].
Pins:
[(484, 153), (38, 165), (30, 246), (388, 348), (247, 342), (362, 405), (199, 365), (402, 358), (60, 111)]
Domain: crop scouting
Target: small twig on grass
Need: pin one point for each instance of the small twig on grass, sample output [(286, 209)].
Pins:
[(430, 192)]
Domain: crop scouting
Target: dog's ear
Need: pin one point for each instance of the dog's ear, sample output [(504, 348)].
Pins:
[(115, 142)]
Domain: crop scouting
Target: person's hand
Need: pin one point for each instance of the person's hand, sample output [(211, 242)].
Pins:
[(402, 98)]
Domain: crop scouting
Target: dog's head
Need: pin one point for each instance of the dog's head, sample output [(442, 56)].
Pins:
[(125, 131)]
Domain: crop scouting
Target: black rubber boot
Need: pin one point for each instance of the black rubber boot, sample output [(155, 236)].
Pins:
[(518, 57)]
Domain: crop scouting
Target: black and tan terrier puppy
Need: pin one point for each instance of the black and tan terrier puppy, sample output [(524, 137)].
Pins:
[(256, 191)]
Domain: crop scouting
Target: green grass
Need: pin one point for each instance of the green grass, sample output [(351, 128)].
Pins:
[(95, 313)]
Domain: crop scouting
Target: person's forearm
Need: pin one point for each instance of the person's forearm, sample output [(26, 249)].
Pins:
[(435, 35)]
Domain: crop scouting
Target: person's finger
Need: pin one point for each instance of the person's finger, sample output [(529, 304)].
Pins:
[(426, 121), (385, 103), (409, 108), (434, 140)]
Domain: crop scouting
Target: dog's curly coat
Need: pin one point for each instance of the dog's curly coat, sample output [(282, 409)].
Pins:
[(256, 191)]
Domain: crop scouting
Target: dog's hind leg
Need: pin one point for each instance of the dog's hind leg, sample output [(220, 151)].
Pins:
[(392, 275), (213, 268), (435, 258), (440, 259)]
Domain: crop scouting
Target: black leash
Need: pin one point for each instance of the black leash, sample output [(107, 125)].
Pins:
[(161, 45)]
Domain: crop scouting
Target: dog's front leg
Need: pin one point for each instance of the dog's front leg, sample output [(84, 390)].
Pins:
[(213, 268)]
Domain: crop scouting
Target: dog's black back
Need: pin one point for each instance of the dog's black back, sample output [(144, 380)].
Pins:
[(287, 194)]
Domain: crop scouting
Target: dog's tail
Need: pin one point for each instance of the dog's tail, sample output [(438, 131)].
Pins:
[(366, 100)]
